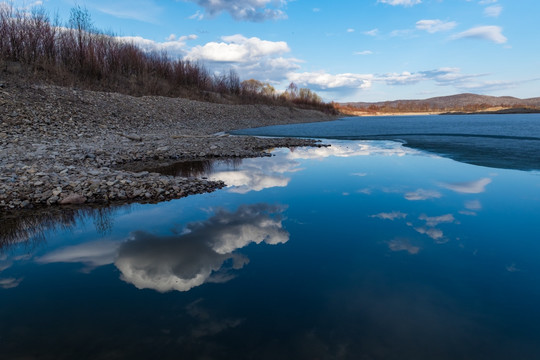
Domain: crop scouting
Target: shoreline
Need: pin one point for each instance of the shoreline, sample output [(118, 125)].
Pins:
[(63, 146)]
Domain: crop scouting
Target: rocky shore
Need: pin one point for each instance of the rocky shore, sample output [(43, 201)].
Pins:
[(62, 146)]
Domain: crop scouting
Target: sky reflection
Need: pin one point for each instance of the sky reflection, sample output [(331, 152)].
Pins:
[(203, 252), (424, 258)]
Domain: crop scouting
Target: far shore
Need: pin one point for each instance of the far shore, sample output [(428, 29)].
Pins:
[(489, 111)]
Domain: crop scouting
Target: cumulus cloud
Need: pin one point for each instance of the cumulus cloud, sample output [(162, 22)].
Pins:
[(433, 26), (403, 245), (244, 181), (91, 254), (205, 252), (390, 216), (490, 33), (493, 11), (422, 194), (471, 187), (250, 57), (324, 81), (389, 148), (10, 283), (245, 10), (473, 205), (174, 46), (256, 175), (365, 52), (400, 2), (435, 234), (237, 48), (433, 221)]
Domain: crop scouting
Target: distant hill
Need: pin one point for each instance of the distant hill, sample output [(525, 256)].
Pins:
[(454, 103)]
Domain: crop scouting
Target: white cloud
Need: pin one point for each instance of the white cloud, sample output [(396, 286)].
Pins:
[(92, 254), (245, 10), (175, 47), (403, 245), (441, 76), (490, 33), (350, 30), (141, 10), (250, 57), (362, 149), (237, 48), (390, 216), (433, 26), (324, 81), (435, 234), (487, 86), (436, 220), (372, 32), (512, 268), (10, 283), (471, 187), (198, 15), (400, 2), (204, 253), (316, 10), (422, 194), (405, 78), (493, 11), (473, 205), (365, 52), (200, 254), (244, 181)]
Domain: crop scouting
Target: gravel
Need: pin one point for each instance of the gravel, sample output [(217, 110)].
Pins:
[(63, 146)]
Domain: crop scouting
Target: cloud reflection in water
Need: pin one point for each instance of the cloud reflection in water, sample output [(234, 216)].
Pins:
[(471, 187), (204, 252)]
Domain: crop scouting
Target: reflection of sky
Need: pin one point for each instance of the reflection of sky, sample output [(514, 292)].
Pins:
[(351, 149), (405, 272), (470, 187), (256, 175), (181, 262)]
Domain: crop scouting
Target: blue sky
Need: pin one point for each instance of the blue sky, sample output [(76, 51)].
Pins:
[(345, 50)]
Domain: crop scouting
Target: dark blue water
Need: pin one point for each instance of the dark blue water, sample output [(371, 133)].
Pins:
[(500, 141), (363, 250)]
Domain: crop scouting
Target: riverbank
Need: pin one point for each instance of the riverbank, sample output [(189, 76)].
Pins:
[(61, 145)]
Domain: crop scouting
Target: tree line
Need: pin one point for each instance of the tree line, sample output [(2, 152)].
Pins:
[(76, 53)]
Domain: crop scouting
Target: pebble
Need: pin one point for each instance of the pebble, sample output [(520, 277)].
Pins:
[(71, 150)]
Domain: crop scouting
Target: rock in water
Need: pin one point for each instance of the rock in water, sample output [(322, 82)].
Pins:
[(73, 199)]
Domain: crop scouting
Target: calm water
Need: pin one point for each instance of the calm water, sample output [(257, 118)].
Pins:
[(363, 250), (500, 141)]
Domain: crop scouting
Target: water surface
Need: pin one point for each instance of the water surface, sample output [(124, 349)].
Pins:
[(500, 141), (363, 250)]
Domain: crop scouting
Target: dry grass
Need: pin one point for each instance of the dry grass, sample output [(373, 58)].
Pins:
[(76, 54)]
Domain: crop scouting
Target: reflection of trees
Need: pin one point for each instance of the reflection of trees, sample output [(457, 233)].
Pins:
[(29, 227), (195, 168)]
